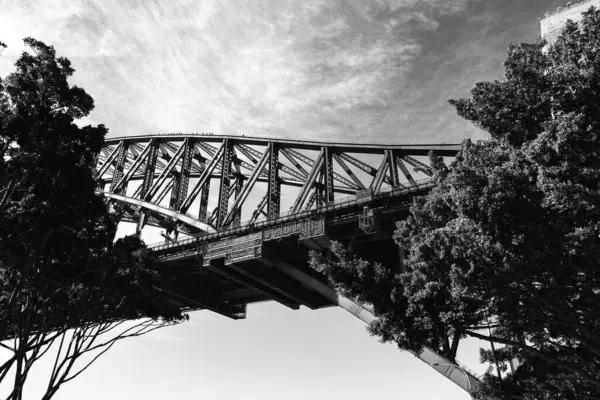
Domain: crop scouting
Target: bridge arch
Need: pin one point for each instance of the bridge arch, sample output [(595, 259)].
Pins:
[(185, 219)]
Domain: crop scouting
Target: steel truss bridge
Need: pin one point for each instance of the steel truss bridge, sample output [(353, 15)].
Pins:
[(225, 195)]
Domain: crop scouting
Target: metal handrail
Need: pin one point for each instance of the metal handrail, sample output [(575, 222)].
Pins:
[(288, 215)]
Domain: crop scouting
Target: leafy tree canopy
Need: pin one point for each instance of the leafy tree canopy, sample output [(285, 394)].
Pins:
[(510, 237), (59, 267)]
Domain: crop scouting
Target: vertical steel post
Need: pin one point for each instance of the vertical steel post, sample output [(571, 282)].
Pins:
[(147, 182), (202, 213), (225, 182), (150, 168), (274, 190), (181, 181), (328, 175), (239, 184), (393, 168)]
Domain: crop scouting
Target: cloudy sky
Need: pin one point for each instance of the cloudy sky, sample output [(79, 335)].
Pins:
[(378, 70), (355, 70)]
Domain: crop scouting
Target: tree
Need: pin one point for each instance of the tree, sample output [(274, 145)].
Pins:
[(63, 280), (509, 239)]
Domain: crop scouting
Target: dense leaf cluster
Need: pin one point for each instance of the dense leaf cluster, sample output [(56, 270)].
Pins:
[(58, 264), (510, 237)]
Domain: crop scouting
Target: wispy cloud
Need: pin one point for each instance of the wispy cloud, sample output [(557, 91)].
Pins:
[(316, 68)]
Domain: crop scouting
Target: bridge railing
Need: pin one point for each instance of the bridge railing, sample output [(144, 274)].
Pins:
[(288, 215)]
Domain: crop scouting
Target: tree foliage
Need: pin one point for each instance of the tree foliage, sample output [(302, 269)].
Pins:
[(510, 237), (60, 272)]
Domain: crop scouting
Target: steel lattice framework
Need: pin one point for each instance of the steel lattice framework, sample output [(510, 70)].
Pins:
[(174, 174), (255, 207)]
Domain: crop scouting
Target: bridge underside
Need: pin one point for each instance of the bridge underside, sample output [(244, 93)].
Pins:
[(224, 272)]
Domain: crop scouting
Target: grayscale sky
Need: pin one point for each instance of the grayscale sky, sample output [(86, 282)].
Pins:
[(355, 70)]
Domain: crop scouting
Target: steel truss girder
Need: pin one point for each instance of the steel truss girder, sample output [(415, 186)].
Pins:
[(157, 160), (118, 173), (308, 184), (247, 188)]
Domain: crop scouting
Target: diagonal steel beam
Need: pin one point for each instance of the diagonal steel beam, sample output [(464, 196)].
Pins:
[(163, 193), (427, 170), (204, 179), (185, 219), (109, 160), (239, 186), (311, 201), (165, 173), (348, 171), (259, 208), (362, 166), (308, 184), (136, 165), (306, 160), (405, 172), (139, 148), (203, 208), (248, 187), (213, 216), (249, 153), (380, 175), (294, 162), (118, 172), (253, 155)]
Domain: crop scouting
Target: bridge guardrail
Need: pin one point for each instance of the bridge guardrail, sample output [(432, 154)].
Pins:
[(288, 215)]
